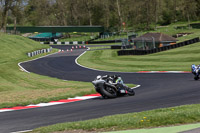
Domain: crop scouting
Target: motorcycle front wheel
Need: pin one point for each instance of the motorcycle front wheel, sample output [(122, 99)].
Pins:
[(108, 92), (196, 78), (131, 92)]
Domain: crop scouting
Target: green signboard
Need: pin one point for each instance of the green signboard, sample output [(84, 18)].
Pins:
[(29, 29)]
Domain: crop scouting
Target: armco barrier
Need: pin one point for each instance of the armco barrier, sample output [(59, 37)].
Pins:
[(121, 47), (84, 42), (144, 52), (100, 42), (34, 53), (59, 43), (116, 47)]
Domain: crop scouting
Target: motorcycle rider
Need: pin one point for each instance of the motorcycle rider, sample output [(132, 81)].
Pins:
[(114, 79), (196, 71), (120, 84), (193, 67)]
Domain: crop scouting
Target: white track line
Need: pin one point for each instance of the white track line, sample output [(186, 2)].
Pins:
[(22, 131), (19, 64), (136, 87)]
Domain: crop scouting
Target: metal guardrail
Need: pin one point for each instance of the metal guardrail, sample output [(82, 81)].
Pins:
[(59, 43)]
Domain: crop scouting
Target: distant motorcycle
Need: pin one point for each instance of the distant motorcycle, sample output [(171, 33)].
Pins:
[(111, 86), (196, 71)]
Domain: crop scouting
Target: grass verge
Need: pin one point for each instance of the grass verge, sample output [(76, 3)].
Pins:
[(179, 59), (147, 119), (18, 88)]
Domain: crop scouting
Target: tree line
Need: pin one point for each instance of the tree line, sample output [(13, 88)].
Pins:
[(112, 14)]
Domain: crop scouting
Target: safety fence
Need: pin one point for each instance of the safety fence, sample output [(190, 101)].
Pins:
[(85, 42), (100, 42), (121, 46), (155, 50), (13, 32), (59, 43), (195, 25), (34, 53)]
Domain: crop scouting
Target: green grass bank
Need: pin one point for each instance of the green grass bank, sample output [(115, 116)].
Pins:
[(146, 119), (20, 88), (179, 59)]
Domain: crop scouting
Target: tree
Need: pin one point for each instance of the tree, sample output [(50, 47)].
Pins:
[(6, 5), (89, 6), (189, 9), (16, 11), (119, 14), (137, 14)]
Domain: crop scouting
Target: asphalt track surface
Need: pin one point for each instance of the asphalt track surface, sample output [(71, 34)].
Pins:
[(158, 90)]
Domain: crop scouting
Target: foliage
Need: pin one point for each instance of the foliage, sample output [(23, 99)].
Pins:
[(146, 14)]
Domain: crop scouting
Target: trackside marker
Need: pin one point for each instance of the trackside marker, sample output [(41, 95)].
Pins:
[(22, 131), (94, 95), (62, 101), (66, 101)]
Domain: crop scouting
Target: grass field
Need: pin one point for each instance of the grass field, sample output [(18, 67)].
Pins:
[(80, 36), (179, 59), (20, 88), (172, 30), (147, 119)]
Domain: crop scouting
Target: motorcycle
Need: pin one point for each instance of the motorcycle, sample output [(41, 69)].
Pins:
[(195, 71), (111, 86)]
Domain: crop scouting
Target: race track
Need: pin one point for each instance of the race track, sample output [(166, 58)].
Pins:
[(158, 90)]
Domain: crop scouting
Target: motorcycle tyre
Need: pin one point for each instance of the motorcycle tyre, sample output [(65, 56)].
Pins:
[(131, 93), (196, 78), (107, 94)]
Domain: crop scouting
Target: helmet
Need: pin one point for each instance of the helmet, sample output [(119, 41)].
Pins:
[(98, 77)]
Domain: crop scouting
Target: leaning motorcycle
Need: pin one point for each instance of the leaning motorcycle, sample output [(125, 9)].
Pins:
[(111, 86), (196, 71)]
